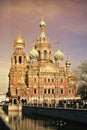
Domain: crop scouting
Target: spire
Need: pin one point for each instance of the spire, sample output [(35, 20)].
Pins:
[(19, 34), (58, 44)]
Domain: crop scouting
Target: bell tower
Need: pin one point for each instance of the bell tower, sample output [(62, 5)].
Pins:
[(18, 66)]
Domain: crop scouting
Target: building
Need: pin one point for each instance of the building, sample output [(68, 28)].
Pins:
[(37, 77)]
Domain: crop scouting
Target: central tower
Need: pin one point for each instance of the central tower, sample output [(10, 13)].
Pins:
[(42, 46)]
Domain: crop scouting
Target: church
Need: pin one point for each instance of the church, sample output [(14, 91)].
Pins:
[(37, 77)]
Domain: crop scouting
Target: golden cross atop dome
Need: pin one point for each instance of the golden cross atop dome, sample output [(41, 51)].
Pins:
[(58, 44), (20, 39), (19, 34)]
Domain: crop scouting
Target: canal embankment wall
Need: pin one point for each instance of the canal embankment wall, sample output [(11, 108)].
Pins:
[(75, 115), (70, 114)]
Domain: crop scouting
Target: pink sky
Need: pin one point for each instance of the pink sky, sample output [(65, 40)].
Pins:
[(66, 22)]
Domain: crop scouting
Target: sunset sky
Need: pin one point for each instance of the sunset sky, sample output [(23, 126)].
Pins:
[(66, 22)]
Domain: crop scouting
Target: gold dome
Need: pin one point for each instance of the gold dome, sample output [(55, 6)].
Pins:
[(19, 41), (68, 63)]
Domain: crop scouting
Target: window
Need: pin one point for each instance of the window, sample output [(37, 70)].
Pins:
[(20, 59), (52, 80), (61, 91), (48, 80), (48, 91), (45, 54), (52, 91), (34, 91), (39, 54), (44, 91), (69, 91)]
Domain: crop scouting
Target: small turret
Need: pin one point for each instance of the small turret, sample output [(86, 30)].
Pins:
[(68, 65)]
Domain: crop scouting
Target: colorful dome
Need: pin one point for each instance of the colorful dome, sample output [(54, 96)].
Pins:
[(19, 42), (34, 53), (28, 58), (59, 55)]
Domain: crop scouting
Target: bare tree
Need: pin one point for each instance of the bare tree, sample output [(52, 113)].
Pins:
[(81, 74)]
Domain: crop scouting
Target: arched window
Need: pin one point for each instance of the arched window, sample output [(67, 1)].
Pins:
[(61, 91), (44, 91), (48, 80), (52, 80), (69, 91), (45, 54), (39, 54), (20, 59), (35, 91), (52, 91), (48, 91), (15, 59)]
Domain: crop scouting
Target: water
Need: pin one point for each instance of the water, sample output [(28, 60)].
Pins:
[(19, 121)]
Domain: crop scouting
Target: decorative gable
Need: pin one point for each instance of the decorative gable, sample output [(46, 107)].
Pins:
[(49, 67)]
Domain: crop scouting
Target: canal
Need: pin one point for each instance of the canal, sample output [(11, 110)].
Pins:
[(22, 121)]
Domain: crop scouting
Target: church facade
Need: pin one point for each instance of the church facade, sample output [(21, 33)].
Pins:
[(37, 77)]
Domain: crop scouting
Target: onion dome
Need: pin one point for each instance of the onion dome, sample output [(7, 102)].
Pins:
[(28, 58), (58, 55), (68, 63), (34, 53), (19, 42), (42, 23)]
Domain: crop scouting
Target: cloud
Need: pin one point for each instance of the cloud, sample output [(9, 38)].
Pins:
[(61, 9)]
